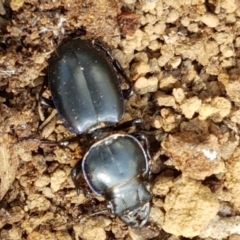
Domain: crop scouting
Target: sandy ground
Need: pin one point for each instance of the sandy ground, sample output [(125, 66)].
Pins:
[(183, 57)]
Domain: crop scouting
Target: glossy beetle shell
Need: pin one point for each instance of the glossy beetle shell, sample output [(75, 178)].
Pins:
[(115, 167), (84, 87)]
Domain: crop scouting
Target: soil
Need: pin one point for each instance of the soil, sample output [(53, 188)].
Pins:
[(183, 58)]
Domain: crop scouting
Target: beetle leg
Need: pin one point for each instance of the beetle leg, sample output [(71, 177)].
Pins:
[(46, 102), (62, 143), (126, 92), (77, 176), (79, 182), (65, 142), (142, 137), (107, 210), (128, 124), (50, 142), (42, 100), (44, 86)]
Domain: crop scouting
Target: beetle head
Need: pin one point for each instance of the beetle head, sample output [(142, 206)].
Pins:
[(130, 202), (137, 217)]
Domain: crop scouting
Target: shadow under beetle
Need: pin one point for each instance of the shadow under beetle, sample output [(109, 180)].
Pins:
[(86, 92)]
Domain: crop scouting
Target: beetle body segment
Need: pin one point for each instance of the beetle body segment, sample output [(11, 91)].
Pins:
[(84, 87), (116, 167)]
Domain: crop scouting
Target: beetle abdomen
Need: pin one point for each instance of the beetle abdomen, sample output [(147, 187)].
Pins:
[(84, 87)]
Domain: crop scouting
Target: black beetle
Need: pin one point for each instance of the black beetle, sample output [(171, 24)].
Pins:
[(117, 168), (85, 87), (86, 92)]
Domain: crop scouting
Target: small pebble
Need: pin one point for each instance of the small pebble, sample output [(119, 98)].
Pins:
[(210, 20)]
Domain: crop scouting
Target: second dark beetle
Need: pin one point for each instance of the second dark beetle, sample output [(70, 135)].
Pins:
[(85, 86)]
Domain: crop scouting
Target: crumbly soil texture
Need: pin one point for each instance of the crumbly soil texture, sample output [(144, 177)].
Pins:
[(183, 59)]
